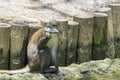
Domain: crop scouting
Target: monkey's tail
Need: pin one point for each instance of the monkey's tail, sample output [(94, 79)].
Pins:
[(23, 70)]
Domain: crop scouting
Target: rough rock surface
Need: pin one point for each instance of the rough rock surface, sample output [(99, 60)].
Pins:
[(108, 69)]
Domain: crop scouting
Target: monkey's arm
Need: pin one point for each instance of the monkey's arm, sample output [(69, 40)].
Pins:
[(42, 42)]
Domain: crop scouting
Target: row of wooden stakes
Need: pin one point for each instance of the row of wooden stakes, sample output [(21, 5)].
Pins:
[(92, 36)]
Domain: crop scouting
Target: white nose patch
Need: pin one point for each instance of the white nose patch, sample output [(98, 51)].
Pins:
[(47, 29)]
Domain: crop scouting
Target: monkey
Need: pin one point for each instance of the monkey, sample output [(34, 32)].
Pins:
[(41, 51)]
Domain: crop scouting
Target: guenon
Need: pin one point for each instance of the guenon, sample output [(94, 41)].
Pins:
[(41, 51)]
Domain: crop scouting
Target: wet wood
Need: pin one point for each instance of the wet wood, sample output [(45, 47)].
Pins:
[(100, 36), (62, 48), (72, 42), (110, 33), (85, 37), (18, 50), (4, 45), (116, 25)]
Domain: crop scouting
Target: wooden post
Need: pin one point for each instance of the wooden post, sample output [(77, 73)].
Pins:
[(32, 29), (85, 37), (63, 29), (110, 33), (72, 42), (18, 50), (4, 45), (44, 22), (100, 36), (3, 20), (116, 25)]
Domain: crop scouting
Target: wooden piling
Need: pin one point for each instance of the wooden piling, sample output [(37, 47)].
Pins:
[(44, 22), (62, 48), (116, 25), (100, 36), (85, 37), (32, 29), (110, 33), (18, 50), (72, 42), (4, 45)]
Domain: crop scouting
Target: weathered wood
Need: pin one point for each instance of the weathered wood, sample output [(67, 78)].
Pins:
[(63, 29), (18, 50), (72, 42), (116, 25), (85, 37), (100, 36), (110, 33), (44, 22), (3, 20), (32, 28), (4, 45)]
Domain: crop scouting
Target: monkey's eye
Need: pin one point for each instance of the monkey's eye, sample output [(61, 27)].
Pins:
[(51, 27)]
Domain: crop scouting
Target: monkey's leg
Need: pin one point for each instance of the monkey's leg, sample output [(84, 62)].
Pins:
[(54, 61), (44, 55), (45, 61), (54, 55)]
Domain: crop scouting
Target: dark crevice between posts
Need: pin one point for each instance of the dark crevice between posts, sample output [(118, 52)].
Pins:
[(8, 58), (115, 9), (85, 36), (117, 47), (9, 52), (100, 36), (110, 32), (1, 58), (77, 56), (24, 50)]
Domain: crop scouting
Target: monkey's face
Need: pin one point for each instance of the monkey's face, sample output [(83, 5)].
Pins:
[(51, 28)]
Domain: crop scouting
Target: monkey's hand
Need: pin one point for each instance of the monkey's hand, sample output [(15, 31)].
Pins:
[(43, 41), (48, 35)]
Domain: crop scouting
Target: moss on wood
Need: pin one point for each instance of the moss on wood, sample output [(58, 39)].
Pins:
[(100, 36), (85, 37)]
